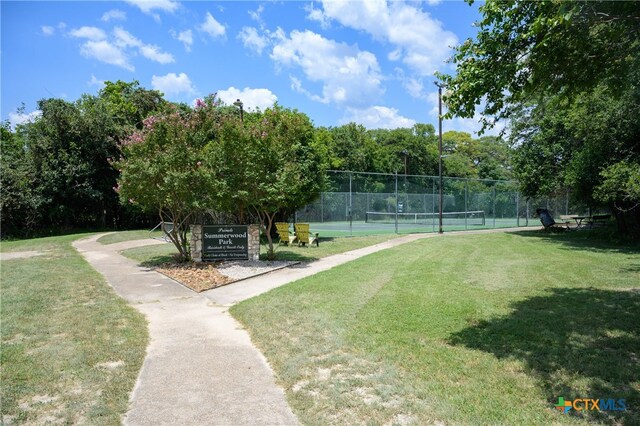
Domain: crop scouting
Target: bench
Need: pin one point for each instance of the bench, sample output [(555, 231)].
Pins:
[(599, 220), (283, 233), (304, 236)]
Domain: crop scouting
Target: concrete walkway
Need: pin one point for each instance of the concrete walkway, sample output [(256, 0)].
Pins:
[(201, 367)]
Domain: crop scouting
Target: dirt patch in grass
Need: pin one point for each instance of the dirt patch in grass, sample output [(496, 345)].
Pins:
[(21, 254), (197, 277)]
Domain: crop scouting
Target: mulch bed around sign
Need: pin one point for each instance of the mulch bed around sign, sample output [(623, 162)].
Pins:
[(196, 276)]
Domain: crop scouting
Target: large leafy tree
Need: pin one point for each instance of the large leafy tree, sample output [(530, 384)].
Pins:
[(271, 163), (566, 74), (164, 167), (590, 145), (488, 157), (128, 104), (56, 171), (20, 199), (68, 147), (527, 48), (183, 163)]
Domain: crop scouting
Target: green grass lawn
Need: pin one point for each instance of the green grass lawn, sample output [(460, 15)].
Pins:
[(155, 255), (465, 329), (120, 236), (71, 348)]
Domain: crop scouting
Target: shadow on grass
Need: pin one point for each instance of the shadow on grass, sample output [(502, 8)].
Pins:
[(580, 343), (595, 240), (292, 252), (156, 261)]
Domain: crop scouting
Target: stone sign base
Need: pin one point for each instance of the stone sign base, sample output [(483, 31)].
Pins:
[(253, 243)]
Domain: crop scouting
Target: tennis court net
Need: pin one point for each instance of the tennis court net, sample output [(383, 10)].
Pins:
[(470, 218)]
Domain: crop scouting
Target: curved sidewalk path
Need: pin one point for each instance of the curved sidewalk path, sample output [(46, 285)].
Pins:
[(201, 367)]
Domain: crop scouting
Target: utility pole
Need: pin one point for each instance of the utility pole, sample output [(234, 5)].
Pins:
[(440, 156)]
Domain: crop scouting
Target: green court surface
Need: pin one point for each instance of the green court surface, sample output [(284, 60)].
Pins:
[(346, 228)]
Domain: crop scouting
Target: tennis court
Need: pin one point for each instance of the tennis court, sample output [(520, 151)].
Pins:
[(360, 227), (375, 203)]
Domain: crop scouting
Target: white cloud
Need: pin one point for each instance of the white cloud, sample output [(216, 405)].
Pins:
[(114, 14), (117, 49), (186, 37), (296, 85), (125, 39), (395, 55), (148, 6), (95, 82), (377, 117), (251, 98), (256, 15), (420, 40), (155, 54), (90, 33), (47, 30), (252, 40), (413, 85), (471, 125), (16, 118), (317, 15), (212, 27), (106, 52), (349, 76), (173, 85)]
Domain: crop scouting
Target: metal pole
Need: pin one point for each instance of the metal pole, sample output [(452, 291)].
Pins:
[(517, 209), (350, 208), (466, 186), (494, 205), (440, 158), (433, 205), (396, 202), (322, 207)]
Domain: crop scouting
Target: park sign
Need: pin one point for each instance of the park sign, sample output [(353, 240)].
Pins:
[(225, 242)]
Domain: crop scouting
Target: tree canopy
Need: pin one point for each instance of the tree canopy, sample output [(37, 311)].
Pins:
[(60, 170), (565, 73), (527, 48)]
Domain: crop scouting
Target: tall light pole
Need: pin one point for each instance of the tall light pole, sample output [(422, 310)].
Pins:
[(439, 156), (405, 153), (239, 104)]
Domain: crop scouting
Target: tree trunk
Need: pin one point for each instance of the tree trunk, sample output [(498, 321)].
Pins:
[(266, 221), (178, 235), (270, 253)]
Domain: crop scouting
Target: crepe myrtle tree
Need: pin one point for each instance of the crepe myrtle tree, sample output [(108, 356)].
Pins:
[(163, 168), (270, 164)]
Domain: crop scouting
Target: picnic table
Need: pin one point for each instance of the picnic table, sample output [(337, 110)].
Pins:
[(586, 221), (579, 220)]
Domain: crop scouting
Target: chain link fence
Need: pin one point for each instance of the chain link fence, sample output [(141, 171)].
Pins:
[(356, 203)]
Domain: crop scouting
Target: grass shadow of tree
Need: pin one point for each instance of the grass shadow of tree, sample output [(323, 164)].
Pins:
[(159, 260), (579, 343), (591, 240), (292, 252)]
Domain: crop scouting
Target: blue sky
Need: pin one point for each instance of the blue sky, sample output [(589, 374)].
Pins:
[(371, 62)]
